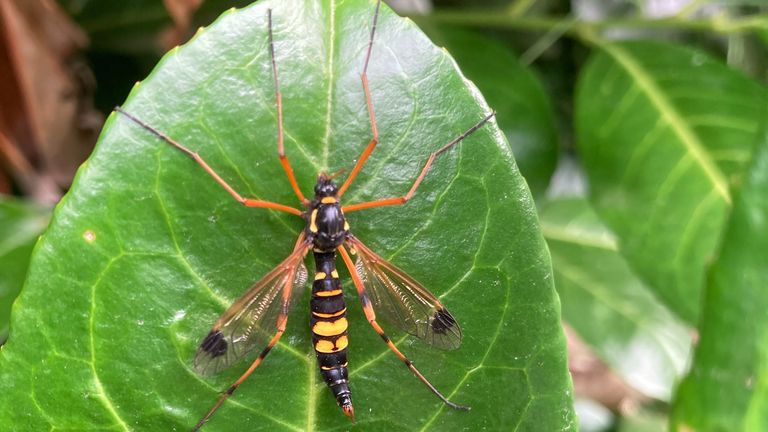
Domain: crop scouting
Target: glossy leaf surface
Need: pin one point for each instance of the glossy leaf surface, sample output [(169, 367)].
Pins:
[(608, 306), (146, 251), (727, 388), (662, 131)]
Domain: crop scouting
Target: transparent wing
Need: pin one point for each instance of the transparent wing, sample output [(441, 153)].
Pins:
[(404, 302), (252, 320)]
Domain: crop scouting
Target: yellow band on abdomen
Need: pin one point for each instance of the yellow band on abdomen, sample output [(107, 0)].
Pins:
[(332, 328), (326, 346), (328, 293)]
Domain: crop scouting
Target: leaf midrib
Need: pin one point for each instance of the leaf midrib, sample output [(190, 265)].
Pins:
[(552, 232), (330, 64), (101, 392), (670, 114), (578, 278), (312, 399)]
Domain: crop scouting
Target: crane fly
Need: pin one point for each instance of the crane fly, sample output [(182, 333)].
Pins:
[(257, 320)]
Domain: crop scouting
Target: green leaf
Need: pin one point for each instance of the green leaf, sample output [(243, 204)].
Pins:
[(762, 34), (727, 388), (146, 250), (522, 107), (117, 26), (133, 27), (643, 420), (662, 130), (20, 225), (608, 306)]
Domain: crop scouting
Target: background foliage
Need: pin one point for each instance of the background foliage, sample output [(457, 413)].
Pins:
[(640, 128), (146, 250)]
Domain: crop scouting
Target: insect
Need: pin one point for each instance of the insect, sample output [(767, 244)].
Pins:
[(257, 320)]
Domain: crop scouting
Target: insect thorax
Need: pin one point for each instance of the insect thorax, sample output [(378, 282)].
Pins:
[(326, 225)]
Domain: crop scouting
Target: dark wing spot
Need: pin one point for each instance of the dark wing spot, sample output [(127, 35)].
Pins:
[(442, 321), (214, 344)]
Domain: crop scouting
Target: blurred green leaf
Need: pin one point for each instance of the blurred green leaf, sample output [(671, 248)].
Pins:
[(643, 420), (523, 109), (146, 250), (762, 34), (607, 305), (662, 131), (20, 225), (130, 27), (134, 27), (727, 388), (473, 4), (126, 39)]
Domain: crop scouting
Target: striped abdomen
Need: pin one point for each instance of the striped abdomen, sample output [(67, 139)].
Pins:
[(329, 328)]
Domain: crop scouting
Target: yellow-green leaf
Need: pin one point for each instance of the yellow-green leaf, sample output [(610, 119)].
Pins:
[(727, 388), (606, 304), (662, 131)]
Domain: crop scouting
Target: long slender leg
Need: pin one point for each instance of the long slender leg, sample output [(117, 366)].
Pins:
[(404, 198), (371, 316), (282, 320), (279, 98), (248, 202), (369, 104)]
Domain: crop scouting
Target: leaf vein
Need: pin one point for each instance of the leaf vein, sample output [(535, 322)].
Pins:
[(101, 393), (689, 140), (565, 235), (491, 343), (331, 43)]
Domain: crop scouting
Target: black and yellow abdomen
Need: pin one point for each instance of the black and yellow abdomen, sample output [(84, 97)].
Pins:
[(329, 328)]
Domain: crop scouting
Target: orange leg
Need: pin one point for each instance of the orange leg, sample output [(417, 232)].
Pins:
[(369, 104), (404, 198), (248, 202), (279, 98), (371, 316), (282, 320)]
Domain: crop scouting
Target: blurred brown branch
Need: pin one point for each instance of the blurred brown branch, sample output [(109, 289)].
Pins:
[(47, 120)]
